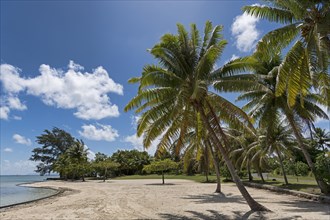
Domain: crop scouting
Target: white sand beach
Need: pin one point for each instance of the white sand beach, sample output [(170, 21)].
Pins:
[(148, 199)]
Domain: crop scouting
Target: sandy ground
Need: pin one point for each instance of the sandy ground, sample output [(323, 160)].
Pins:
[(147, 199)]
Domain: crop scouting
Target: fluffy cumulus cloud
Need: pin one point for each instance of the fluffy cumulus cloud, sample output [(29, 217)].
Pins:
[(22, 140), (8, 150), (245, 32), (71, 89), (99, 132)]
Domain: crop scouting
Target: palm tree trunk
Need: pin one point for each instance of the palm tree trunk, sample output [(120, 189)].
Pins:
[(254, 205), (282, 166), (249, 172), (260, 174), (163, 179), (216, 167), (325, 188), (206, 163), (105, 174)]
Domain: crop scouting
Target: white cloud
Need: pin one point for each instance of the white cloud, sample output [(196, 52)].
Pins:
[(10, 102), (21, 167), (233, 57), (99, 132), (75, 66), (21, 140), (85, 92), (134, 120), (137, 143), (8, 150), (17, 117), (4, 112), (15, 103), (245, 31), (90, 153)]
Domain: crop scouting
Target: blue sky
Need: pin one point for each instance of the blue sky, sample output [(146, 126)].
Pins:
[(66, 64)]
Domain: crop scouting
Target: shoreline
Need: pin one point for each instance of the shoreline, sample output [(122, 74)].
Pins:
[(148, 199), (58, 192)]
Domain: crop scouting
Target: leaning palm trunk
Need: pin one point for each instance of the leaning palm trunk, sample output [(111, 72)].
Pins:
[(216, 167), (282, 166), (325, 188), (255, 206)]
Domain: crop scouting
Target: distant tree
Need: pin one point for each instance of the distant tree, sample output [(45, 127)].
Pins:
[(130, 161), (161, 166), (54, 143), (73, 164), (79, 161), (103, 165)]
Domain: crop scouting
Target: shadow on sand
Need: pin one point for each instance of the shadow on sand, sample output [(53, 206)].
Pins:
[(293, 207), (215, 198), (212, 214), (160, 184)]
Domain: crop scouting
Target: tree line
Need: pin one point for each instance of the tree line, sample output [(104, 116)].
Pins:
[(63, 154)]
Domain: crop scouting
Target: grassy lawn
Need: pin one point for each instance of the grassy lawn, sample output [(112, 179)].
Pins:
[(302, 183), (196, 178)]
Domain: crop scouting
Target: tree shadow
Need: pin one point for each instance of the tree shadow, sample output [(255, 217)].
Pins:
[(215, 198), (212, 214), (306, 206), (160, 184)]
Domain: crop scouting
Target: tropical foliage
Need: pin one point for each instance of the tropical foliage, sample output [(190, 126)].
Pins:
[(130, 161), (173, 92), (307, 29), (54, 143), (161, 166)]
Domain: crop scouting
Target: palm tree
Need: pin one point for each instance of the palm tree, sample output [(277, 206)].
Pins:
[(259, 89), (247, 152), (321, 138), (77, 155), (179, 85), (278, 141), (307, 62)]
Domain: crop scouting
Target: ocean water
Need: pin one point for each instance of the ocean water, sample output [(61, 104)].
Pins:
[(11, 193)]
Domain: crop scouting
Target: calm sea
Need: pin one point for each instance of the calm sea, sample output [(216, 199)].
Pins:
[(11, 193)]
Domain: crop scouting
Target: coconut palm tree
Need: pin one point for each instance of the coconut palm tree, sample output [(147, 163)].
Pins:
[(247, 152), (307, 26), (259, 89), (321, 138), (178, 85), (279, 141)]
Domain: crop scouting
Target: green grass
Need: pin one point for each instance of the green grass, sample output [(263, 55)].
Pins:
[(302, 183), (196, 178)]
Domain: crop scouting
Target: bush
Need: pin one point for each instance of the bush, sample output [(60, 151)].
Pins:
[(322, 167), (224, 171), (302, 169), (298, 168)]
